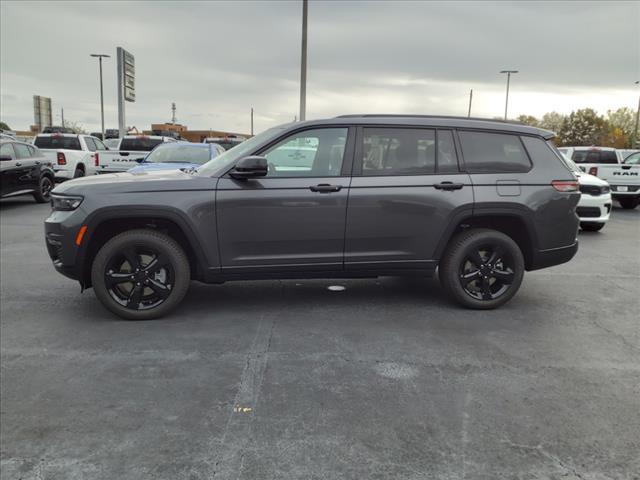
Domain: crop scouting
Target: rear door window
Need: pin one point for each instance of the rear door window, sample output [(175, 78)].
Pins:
[(22, 151), (90, 144), (58, 142), (486, 152), (398, 151), (446, 158)]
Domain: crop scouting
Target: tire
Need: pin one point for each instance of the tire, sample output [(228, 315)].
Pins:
[(137, 299), (628, 203), (43, 194), (592, 226), (79, 172), (495, 254)]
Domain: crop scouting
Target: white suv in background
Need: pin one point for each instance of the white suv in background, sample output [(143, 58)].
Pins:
[(594, 207)]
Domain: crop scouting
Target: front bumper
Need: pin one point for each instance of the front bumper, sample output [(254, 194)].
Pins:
[(60, 233), (629, 191), (594, 208)]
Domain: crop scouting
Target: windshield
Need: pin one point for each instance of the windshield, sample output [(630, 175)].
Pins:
[(112, 142), (594, 156), (179, 154), (633, 159), (237, 152)]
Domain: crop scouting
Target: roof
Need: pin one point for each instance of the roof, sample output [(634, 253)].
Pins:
[(57, 134), (433, 121)]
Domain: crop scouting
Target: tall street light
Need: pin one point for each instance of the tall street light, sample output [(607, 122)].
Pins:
[(634, 140), (303, 64), (506, 103), (100, 56)]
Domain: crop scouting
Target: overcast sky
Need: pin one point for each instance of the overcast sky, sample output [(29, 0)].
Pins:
[(216, 60)]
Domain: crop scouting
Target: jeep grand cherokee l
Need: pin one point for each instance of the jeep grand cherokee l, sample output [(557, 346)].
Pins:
[(354, 196)]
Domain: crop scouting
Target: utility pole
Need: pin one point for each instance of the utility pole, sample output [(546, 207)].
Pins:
[(303, 63), (252, 121), (173, 112), (62, 115), (634, 141), (100, 56), (506, 103), (470, 98)]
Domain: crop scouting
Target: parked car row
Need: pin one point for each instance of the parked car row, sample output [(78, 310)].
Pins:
[(24, 169)]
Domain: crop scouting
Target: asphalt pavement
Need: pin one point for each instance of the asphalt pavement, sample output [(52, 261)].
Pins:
[(386, 379)]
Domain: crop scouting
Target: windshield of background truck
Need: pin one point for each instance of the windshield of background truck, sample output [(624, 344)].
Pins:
[(594, 156), (172, 153)]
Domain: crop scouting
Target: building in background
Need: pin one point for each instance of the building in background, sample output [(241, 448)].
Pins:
[(41, 113), (177, 130)]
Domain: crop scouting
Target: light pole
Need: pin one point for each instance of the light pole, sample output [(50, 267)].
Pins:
[(303, 64), (100, 56), (506, 103), (634, 140)]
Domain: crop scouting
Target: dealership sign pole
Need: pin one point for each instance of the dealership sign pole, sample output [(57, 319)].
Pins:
[(126, 86)]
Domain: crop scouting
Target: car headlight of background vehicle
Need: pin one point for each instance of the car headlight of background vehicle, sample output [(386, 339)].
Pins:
[(605, 189), (65, 202)]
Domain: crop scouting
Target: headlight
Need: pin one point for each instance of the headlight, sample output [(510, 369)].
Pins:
[(605, 189), (65, 203)]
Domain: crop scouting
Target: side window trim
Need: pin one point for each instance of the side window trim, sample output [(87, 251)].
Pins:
[(456, 151)]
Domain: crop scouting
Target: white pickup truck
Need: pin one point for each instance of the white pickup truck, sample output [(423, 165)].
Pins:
[(607, 163), (72, 155), (130, 152)]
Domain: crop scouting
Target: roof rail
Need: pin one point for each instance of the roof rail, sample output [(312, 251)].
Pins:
[(408, 115)]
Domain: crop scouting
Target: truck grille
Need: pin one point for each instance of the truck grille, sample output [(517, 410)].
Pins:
[(588, 212)]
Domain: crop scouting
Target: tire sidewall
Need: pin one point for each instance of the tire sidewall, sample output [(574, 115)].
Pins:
[(39, 195), (461, 245), (148, 238)]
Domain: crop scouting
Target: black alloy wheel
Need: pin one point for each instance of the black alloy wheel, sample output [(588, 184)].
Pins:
[(139, 278), (140, 274), (486, 272), (481, 268), (43, 194)]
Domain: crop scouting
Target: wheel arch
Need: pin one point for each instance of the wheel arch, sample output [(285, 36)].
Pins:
[(107, 223), (512, 222)]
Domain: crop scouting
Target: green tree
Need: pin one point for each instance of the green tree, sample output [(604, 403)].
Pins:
[(4, 126), (528, 120), (583, 128), (552, 121), (622, 119)]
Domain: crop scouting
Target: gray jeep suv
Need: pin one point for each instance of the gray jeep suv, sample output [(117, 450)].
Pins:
[(481, 201)]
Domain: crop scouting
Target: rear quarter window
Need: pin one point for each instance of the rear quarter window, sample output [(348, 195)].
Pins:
[(486, 152)]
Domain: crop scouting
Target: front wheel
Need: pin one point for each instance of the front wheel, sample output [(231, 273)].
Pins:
[(140, 274), (629, 203), (481, 269)]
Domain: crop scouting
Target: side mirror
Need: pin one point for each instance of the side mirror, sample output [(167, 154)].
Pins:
[(250, 167), (5, 158)]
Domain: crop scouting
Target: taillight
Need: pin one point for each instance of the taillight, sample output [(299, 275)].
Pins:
[(593, 171), (62, 160), (565, 185), (97, 160)]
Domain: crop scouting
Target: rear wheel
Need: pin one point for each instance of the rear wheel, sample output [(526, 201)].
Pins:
[(629, 203), (482, 269), (140, 274), (591, 226), (79, 172), (43, 194)]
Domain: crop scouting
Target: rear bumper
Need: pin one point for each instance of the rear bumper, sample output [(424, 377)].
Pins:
[(553, 256)]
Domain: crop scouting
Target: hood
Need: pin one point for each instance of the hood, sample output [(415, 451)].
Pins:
[(151, 166), (145, 181)]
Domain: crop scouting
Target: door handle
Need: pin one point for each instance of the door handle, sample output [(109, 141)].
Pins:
[(325, 188), (448, 186), (18, 164), (37, 162)]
